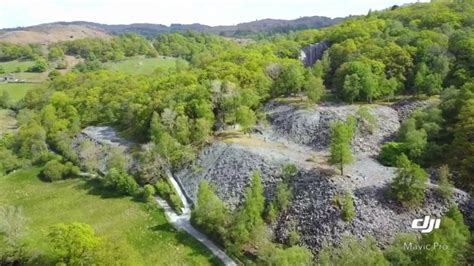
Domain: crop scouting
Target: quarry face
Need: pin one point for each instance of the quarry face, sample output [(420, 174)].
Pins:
[(300, 136)]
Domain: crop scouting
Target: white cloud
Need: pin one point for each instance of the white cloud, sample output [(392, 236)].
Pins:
[(212, 12)]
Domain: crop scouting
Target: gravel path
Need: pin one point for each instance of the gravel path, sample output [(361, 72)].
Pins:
[(182, 222)]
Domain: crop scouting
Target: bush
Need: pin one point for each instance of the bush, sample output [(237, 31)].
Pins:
[(120, 181), (348, 211), (148, 193), (54, 74), (5, 100), (167, 192), (390, 152), (289, 171), (54, 170), (368, 119), (40, 66), (353, 252), (409, 185), (293, 238), (9, 161), (346, 204), (445, 186)]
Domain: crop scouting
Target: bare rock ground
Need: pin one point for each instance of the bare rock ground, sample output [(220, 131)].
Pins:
[(301, 137)]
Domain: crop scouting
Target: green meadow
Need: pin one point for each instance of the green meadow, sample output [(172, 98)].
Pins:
[(17, 90), (143, 229)]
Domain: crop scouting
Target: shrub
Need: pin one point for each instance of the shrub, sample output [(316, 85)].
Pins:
[(289, 171), (293, 238), (9, 161), (348, 211), (148, 193), (209, 213), (40, 66), (369, 120), (409, 185), (54, 170), (353, 252), (445, 186), (390, 152), (120, 181), (283, 196), (167, 192)]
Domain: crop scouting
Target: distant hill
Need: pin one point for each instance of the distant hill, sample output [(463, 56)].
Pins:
[(50, 33), (60, 31)]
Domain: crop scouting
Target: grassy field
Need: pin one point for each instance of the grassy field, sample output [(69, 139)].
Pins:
[(122, 219), (12, 66), (140, 65), (17, 90), (23, 66)]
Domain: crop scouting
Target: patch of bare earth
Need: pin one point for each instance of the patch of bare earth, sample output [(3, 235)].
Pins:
[(52, 34)]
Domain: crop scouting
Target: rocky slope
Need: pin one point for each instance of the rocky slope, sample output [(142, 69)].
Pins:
[(48, 34), (311, 127), (301, 136)]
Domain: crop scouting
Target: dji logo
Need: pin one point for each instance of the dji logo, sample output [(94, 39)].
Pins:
[(427, 224)]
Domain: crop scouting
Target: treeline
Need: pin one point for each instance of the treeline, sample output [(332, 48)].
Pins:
[(440, 134), (9, 51), (419, 49), (115, 48)]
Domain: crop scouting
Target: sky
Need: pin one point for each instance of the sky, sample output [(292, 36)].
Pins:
[(15, 13)]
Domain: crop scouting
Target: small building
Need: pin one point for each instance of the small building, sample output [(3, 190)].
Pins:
[(8, 78)]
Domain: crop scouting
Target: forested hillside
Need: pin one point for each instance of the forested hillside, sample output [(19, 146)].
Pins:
[(415, 52)]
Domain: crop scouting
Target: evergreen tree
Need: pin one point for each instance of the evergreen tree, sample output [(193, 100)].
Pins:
[(445, 187), (341, 138), (463, 144), (250, 215)]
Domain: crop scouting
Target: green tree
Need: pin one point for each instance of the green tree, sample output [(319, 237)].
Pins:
[(351, 88), (340, 148), (352, 252), (12, 235), (463, 146), (9, 161), (31, 139), (290, 80), (348, 210), (249, 216), (5, 100), (121, 182), (283, 196), (246, 118), (409, 185), (55, 53), (453, 233), (289, 171), (210, 213), (148, 193), (445, 186), (314, 88), (74, 244), (41, 65), (150, 166), (54, 170)]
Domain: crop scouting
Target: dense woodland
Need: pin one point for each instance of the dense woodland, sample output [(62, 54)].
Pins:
[(418, 51)]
